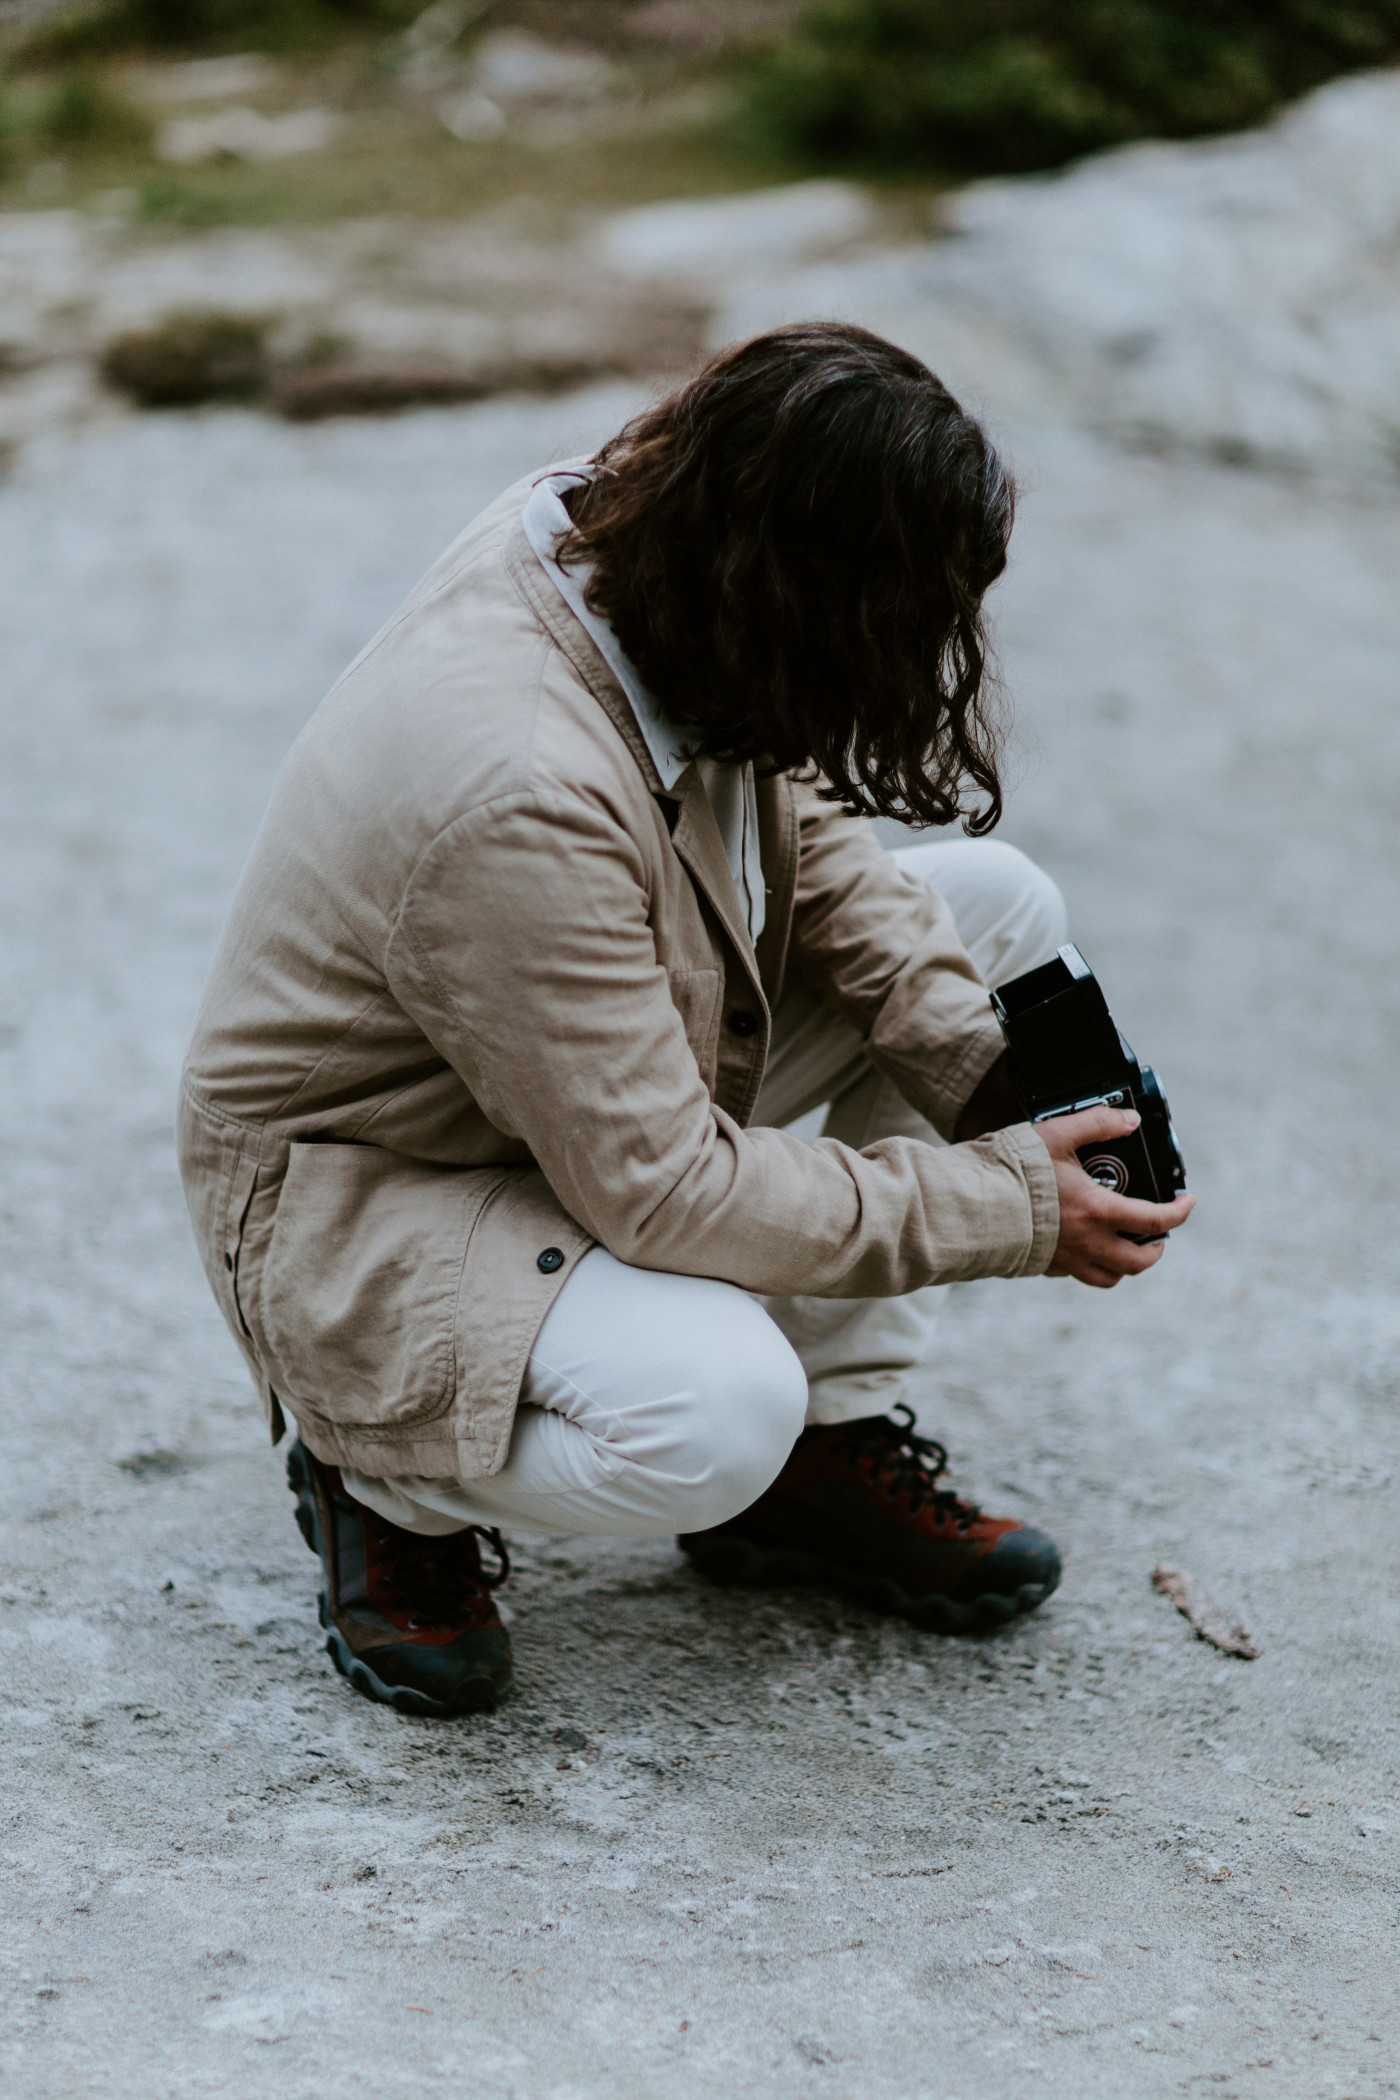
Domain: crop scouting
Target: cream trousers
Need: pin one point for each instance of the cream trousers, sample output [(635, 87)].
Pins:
[(655, 1403)]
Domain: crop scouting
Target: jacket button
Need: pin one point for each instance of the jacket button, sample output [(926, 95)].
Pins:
[(742, 1022), (228, 1261), (550, 1260)]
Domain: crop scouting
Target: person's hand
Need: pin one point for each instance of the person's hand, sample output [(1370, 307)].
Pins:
[(1091, 1216)]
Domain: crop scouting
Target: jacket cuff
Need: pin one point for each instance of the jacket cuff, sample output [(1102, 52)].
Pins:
[(979, 1053), (1025, 1151)]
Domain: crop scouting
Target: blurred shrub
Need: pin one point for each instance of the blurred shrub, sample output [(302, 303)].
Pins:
[(256, 21), (191, 357), (80, 113), (108, 25), (9, 128), (986, 86), (168, 199)]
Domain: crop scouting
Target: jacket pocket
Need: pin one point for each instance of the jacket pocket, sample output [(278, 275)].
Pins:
[(359, 1288), (242, 1181), (219, 1169), (696, 996)]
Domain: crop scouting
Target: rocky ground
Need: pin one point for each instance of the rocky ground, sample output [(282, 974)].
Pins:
[(721, 1843)]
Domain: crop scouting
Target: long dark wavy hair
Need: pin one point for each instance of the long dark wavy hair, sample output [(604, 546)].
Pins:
[(793, 548)]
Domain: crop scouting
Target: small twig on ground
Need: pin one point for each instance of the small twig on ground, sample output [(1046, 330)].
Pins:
[(1210, 1622)]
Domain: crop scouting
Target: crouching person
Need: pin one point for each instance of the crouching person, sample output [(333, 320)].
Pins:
[(559, 916)]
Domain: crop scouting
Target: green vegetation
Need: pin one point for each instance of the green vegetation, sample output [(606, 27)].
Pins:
[(916, 93), (986, 86), (82, 107), (411, 166), (392, 154), (213, 25), (73, 112), (190, 357), (79, 113)]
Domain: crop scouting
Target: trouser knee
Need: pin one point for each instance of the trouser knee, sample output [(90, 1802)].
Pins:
[(1027, 903), (1010, 914), (748, 1415)]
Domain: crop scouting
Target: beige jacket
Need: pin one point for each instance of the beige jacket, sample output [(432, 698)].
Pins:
[(486, 997)]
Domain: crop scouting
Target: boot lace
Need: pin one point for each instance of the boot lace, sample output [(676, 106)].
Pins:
[(912, 1464), (433, 1577)]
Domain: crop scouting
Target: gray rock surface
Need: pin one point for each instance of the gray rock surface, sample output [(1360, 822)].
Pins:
[(1237, 298), (721, 240), (716, 1843)]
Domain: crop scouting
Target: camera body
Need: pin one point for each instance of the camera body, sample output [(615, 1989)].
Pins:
[(1067, 1054)]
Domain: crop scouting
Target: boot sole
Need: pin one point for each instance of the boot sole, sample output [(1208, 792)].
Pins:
[(479, 1695), (735, 1563)]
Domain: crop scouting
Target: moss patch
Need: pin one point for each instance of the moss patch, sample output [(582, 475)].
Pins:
[(986, 86)]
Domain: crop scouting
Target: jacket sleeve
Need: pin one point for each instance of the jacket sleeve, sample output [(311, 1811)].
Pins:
[(879, 947), (524, 951)]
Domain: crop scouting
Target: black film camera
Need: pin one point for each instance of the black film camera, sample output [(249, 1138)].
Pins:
[(1067, 1054)]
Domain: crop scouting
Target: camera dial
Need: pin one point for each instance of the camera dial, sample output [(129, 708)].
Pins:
[(1107, 1170)]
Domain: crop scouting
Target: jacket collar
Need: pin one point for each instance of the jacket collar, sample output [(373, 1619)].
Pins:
[(527, 572), (544, 518), (695, 836)]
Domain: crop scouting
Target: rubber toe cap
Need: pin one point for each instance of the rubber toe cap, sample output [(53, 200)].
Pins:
[(468, 1674), (1020, 1560)]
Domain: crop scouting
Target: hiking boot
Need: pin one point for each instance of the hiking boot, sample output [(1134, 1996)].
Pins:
[(409, 1620), (858, 1506)]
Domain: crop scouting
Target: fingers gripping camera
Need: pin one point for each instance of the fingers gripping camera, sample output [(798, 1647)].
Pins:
[(1067, 1054)]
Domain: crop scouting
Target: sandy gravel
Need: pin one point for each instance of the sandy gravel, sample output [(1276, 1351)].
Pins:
[(717, 1844)]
